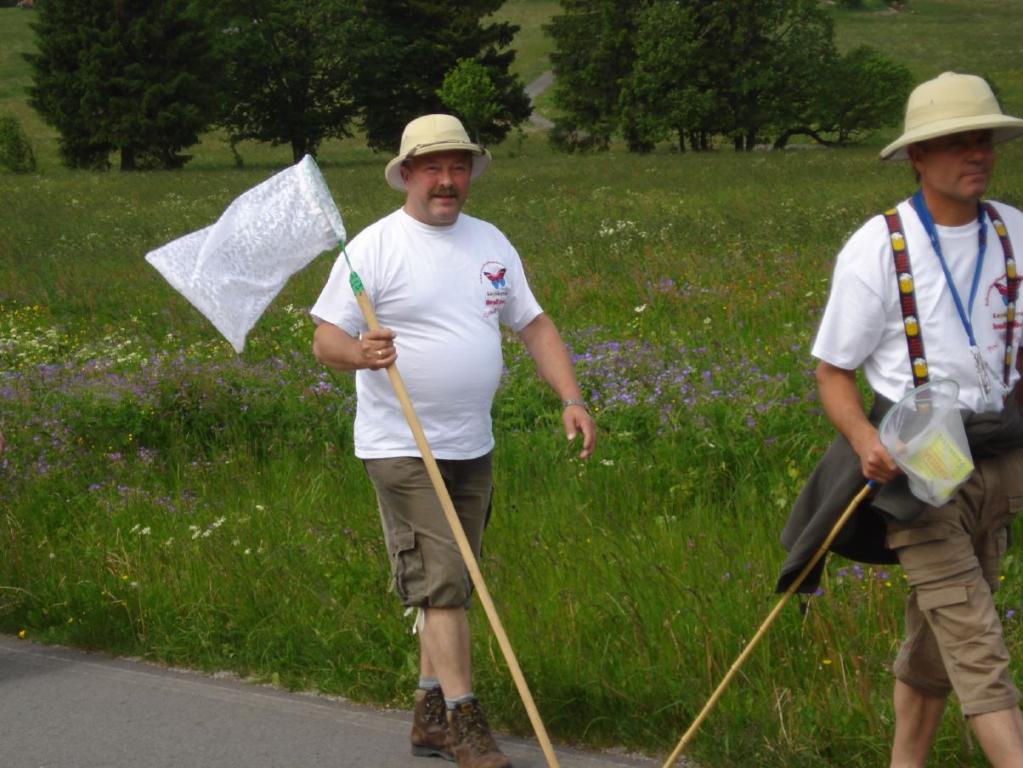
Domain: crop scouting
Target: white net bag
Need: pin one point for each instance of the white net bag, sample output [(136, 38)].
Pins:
[(232, 270)]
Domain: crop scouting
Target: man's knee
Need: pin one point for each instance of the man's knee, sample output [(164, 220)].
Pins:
[(965, 624)]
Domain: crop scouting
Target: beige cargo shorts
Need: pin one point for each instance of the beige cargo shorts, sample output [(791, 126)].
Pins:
[(951, 556)]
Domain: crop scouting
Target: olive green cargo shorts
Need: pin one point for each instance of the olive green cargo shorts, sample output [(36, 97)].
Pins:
[(427, 570)]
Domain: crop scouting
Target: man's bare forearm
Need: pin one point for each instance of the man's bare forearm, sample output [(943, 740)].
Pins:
[(550, 354), (843, 406)]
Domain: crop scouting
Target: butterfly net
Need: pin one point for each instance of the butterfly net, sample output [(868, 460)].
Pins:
[(232, 270)]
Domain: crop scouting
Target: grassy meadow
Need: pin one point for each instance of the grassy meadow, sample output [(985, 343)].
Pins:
[(162, 497)]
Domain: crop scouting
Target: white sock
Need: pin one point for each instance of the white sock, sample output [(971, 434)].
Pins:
[(426, 683)]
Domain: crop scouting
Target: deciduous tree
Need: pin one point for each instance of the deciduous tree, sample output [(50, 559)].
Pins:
[(15, 149), (749, 70), (864, 90), (469, 92), (760, 53), (287, 70)]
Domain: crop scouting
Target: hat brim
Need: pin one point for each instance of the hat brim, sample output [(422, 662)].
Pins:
[(480, 161), (1004, 128)]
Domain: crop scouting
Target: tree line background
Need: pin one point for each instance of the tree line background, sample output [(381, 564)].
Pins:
[(142, 79), (751, 71)]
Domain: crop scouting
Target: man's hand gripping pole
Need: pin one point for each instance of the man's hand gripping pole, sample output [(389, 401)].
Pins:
[(456, 526)]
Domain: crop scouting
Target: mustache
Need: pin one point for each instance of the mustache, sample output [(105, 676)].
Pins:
[(444, 192)]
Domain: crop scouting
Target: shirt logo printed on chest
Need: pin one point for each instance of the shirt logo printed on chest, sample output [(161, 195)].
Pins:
[(492, 278), (1001, 310)]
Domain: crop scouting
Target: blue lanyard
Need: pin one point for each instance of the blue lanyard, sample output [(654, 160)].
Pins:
[(928, 221)]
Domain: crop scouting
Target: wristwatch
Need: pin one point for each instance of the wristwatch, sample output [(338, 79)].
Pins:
[(580, 403)]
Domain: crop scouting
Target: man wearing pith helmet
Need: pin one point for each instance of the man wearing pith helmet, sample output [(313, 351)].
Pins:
[(927, 291), (442, 283)]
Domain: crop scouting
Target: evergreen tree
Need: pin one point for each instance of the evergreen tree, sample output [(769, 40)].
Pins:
[(408, 46), (592, 61), (672, 91), (127, 75), (287, 70), (65, 31)]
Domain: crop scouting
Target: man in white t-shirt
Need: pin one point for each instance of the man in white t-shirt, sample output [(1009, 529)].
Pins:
[(442, 283), (943, 313)]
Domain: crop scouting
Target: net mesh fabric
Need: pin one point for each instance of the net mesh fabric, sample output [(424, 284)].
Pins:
[(233, 269)]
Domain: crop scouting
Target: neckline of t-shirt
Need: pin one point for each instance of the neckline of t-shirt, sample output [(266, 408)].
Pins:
[(429, 229), (960, 230), (944, 230)]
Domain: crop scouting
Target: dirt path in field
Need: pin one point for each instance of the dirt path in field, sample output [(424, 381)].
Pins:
[(533, 90)]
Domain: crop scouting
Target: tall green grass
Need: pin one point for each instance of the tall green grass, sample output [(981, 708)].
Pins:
[(162, 497)]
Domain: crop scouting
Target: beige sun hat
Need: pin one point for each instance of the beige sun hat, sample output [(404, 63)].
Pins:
[(951, 103), (434, 133)]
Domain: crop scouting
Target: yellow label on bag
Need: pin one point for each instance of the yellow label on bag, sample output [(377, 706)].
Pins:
[(939, 459)]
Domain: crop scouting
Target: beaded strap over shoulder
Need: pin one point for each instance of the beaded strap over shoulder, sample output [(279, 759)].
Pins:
[(1012, 281), (907, 298), (907, 293)]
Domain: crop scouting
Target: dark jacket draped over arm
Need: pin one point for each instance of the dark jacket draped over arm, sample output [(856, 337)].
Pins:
[(837, 479)]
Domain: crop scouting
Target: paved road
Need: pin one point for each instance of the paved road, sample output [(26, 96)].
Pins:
[(64, 708)]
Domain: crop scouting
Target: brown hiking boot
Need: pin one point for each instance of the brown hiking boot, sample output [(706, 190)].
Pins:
[(470, 740), (430, 725)]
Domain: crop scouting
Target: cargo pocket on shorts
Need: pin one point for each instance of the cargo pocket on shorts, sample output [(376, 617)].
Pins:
[(408, 564), (924, 552), (909, 537), (942, 597)]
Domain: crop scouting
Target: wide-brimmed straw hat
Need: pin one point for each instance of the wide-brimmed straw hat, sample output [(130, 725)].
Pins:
[(952, 103), (434, 133)]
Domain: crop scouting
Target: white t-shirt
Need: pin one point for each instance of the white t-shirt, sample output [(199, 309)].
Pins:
[(443, 291), (863, 324)]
